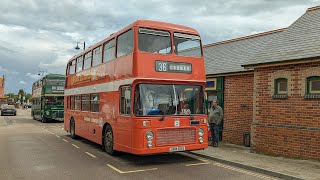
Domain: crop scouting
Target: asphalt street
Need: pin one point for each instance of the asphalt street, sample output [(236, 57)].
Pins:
[(30, 149)]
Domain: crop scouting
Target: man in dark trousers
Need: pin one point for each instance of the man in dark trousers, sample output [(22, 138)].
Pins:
[(215, 119)]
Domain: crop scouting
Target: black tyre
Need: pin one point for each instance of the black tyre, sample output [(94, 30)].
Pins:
[(15, 114), (108, 141), (44, 120), (73, 129)]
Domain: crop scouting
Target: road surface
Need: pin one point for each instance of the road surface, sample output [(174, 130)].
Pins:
[(30, 149)]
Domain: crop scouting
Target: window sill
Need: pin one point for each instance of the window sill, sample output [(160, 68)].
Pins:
[(312, 96), (280, 96)]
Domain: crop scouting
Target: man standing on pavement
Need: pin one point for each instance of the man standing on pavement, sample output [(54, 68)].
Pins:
[(215, 119)]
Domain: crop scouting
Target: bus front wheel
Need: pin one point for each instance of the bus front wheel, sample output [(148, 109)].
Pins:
[(73, 129), (108, 141)]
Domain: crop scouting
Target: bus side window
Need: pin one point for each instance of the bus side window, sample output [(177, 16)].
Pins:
[(125, 43), (72, 66), (97, 56), (87, 61), (77, 105), (79, 64), (109, 50), (125, 100), (94, 102)]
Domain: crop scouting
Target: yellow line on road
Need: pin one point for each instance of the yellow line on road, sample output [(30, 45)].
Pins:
[(134, 171), (65, 140), (75, 146), (242, 171), (91, 155), (197, 164)]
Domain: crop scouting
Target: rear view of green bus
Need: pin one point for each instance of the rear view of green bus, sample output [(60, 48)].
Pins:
[(47, 98)]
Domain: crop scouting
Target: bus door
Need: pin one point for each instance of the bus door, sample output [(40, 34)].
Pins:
[(123, 121)]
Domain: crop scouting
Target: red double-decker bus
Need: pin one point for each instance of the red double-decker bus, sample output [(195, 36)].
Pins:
[(140, 90)]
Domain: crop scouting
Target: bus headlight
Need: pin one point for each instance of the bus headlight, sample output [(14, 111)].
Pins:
[(200, 132), (201, 140), (149, 135), (149, 144)]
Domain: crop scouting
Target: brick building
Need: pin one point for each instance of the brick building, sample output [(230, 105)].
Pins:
[(269, 87), (3, 99)]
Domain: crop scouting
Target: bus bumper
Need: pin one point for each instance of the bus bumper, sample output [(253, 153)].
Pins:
[(169, 149)]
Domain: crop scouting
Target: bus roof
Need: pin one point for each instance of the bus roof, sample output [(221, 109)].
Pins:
[(146, 24), (50, 76), (54, 76)]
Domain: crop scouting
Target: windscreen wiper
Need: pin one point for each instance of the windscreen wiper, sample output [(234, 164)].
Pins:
[(191, 117), (162, 117)]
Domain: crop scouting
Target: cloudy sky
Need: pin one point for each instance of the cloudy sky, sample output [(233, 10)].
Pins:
[(38, 35)]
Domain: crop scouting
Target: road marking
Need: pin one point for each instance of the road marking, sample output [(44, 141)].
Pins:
[(65, 140), (197, 164), (51, 133), (58, 126), (242, 171), (127, 172), (62, 128), (57, 136), (91, 155), (75, 146)]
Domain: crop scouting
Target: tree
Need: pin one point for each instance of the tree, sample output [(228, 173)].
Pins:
[(21, 95)]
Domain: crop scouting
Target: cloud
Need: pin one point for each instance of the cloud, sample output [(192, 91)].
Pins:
[(22, 82), (3, 69), (41, 35), (32, 76)]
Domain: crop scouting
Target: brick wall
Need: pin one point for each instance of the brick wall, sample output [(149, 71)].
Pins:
[(286, 127), (1, 86), (238, 101)]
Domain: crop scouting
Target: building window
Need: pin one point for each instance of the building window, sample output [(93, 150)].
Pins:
[(125, 43), (87, 61), (85, 102), (211, 84), (77, 103), (108, 51), (281, 88), (94, 102), (313, 88), (125, 100), (97, 56)]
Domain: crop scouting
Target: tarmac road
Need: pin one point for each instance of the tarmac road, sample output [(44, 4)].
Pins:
[(30, 149)]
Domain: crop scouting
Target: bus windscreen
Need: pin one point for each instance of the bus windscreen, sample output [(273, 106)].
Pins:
[(162, 99)]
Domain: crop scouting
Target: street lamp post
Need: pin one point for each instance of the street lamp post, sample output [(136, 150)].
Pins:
[(84, 45)]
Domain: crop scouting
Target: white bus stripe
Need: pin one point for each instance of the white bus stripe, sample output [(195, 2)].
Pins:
[(97, 88)]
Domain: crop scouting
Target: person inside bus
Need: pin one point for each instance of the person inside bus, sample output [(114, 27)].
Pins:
[(137, 103), (186, 109)]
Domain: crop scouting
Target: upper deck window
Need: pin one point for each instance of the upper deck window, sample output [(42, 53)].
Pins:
[(125, 43), (79, 64), (87, 61), (72, 66), (154, 41), (108, 51), (97, 56), (187, 45)]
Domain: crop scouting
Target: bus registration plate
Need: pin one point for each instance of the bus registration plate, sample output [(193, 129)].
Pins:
[(175, 149)]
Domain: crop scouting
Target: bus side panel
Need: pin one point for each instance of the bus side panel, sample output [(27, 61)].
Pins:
[(109, 111)]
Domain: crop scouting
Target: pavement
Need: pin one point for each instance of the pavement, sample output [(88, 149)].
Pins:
[(33, 150), (240, 156)]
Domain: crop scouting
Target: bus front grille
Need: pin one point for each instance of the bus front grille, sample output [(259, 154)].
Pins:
[(175, 136), (58, 114)]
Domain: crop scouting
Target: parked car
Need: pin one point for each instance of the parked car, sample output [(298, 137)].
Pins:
[(8, 109), (2, 105)]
